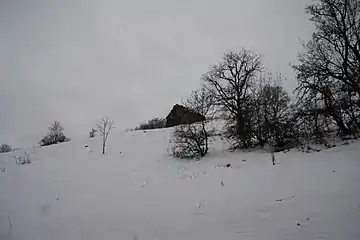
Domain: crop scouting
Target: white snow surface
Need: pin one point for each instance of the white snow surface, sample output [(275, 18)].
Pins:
[(70, 191)]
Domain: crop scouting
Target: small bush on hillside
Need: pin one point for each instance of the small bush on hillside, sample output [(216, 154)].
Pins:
[(192, 140), (154, 123), (92, 133), (54, 136), (5, 148)]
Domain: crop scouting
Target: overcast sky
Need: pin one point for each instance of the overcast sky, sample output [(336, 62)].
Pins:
[(77, 60)]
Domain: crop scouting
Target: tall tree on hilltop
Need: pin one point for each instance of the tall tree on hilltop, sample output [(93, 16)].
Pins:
[(230, 83)]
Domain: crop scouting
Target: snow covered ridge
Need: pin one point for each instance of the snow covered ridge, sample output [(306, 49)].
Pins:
[(137, 191)]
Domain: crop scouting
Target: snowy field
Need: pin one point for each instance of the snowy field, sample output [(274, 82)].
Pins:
[(136, 191)]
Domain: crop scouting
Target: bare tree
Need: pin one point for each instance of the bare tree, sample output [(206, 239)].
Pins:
[(192, 140), (230, 83), (105, 125), (313, 120), (275, 101), (329, 67), (272, 118)]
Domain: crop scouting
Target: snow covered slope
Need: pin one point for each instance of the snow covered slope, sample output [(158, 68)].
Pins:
[(136, 191)]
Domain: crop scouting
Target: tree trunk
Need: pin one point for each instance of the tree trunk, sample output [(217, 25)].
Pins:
[(339, 121), (206, 138), (240, 130), (103, 148)]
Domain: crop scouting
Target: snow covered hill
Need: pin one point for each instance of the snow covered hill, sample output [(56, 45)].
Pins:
[(137, 191)]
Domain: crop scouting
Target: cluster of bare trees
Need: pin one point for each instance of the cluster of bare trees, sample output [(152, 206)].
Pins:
[(328, 72), (256, 107)]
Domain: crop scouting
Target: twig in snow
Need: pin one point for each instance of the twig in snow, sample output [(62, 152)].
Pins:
[(27, 157), (284, 199), (193, 176), (10, 226), (273, 160)]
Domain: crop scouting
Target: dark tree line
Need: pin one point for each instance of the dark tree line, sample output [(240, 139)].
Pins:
[(154, 123), (257, 109)]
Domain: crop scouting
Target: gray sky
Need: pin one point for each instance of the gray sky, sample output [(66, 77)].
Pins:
[(78, 60)]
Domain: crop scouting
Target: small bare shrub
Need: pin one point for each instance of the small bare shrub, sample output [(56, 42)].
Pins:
[(192, 140), (92, 133), (5, 148), (55, 135)]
